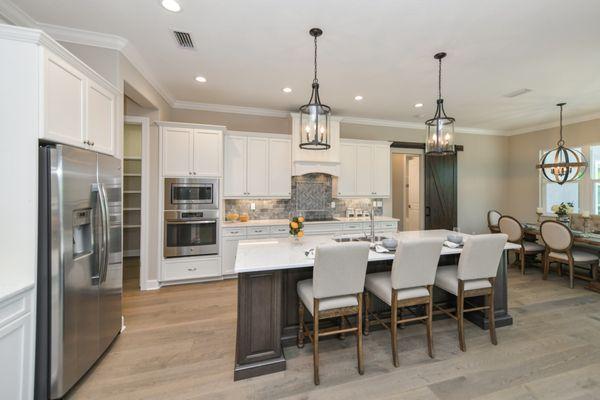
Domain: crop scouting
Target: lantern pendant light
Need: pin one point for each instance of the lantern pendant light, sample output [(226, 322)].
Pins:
[(562, 164), (440, 128), (314, 116)]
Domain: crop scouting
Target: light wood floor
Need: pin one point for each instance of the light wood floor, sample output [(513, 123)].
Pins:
[(180, 343)]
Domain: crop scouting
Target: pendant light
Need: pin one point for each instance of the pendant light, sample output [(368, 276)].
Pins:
[(440, 128), (562, 164), (314, 116)]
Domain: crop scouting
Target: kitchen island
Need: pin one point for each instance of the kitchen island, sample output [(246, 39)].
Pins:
[(268, 270)]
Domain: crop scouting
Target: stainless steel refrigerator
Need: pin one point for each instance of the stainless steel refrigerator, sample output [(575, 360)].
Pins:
[(80, 264)]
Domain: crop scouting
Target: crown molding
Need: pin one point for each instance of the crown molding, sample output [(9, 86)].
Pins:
[(80, 36), (555, 124), (12, 13), (224, 108)]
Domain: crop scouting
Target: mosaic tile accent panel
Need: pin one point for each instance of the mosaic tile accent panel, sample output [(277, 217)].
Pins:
[(311, 197)]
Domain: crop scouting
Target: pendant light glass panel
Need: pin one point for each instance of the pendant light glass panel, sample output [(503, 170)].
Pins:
[(440, 128)]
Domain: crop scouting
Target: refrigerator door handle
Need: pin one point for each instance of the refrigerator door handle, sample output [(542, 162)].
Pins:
[(105, 232)]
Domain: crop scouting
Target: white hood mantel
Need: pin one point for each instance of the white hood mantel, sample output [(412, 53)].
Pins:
[(316, 161)]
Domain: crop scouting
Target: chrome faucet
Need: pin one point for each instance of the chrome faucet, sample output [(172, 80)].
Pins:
[(372, 217)]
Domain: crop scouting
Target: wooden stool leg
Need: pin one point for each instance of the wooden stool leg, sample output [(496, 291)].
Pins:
[(316, 341), (367, 305), (460, 306), (522, 261), (342, 336), (359, 339), (430, 322), (571, 273), (492, 314), (300, 342), (546, 266), (394, 327)]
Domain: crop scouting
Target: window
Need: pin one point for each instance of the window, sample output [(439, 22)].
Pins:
[(584, 194)]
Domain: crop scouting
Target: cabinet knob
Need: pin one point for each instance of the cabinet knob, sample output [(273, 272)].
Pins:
[(92, 143), (86, 142), (194, 173), (192, 269)]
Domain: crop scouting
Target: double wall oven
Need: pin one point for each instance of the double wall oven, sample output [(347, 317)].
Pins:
[(191, 218)]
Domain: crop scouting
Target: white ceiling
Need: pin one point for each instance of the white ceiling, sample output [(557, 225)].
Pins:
[(380, 49)]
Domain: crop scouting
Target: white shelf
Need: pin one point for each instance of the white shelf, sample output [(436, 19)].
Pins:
[(132, 192), (132, 209), (132, 158), (127, 174), (131, 226)]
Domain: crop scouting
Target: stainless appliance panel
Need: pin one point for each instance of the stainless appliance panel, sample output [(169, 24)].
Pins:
[(74, 267), (191, 194), (111, 271), (191, 233)]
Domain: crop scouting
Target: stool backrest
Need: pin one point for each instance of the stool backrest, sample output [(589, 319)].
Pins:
[(340, 269), (512, 228), (493, 217), (556, 236), (416, 262), (480, 256)]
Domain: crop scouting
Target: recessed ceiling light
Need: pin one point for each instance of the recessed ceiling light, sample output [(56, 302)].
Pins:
[(418, 105), (358, 98), (171, 5), (200, 79), (287, 90)]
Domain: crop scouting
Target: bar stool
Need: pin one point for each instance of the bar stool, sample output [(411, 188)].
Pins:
[(513, 228), (335, 290), (559, 248), (493, 217), (474, 275), (410, 283)]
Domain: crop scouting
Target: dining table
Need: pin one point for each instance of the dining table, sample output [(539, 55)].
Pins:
[(588, 239)]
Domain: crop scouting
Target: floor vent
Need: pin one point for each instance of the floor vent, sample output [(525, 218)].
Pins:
[(184, 39)]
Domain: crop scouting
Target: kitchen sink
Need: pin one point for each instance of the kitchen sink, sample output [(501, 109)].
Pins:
[(345, 239)]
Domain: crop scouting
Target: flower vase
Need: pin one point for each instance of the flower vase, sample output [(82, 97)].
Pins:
[(564, 219)]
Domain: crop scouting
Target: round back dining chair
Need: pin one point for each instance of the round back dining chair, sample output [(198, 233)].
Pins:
[(513, 228), (493, 217)]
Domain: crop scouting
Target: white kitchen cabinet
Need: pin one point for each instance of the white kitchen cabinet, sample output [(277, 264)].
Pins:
[(365, 169), (191, 150), (208, 153), (280, 167), (257, 172), (16, 347), (230, 239), (100, 117), (78, 110), (190, 268), (257, 166), (177, 151)]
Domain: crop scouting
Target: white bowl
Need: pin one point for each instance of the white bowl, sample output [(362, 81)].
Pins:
[(389, 243), (454, 238)]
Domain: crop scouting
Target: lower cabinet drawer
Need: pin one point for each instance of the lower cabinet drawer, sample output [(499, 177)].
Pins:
[(193, 268), (258, 230), (280, 230), (354, 226), (322, 229), (386, 225)]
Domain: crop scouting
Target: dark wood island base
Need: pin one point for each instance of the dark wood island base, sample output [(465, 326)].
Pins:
[(268, 314)]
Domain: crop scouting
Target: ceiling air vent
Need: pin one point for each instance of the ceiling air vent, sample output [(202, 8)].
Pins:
[(184, 39), (517, 93)]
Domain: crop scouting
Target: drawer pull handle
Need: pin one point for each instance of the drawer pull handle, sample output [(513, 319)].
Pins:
[(192, 269)]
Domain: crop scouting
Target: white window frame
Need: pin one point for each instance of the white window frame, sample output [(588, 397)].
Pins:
[(585, 185)]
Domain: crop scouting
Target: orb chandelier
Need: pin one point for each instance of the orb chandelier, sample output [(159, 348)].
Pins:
[(562, 164), (440, 128), (314, 116)]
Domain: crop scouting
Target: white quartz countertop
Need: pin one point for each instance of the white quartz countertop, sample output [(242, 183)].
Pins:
[(268, 222), (286, 253)]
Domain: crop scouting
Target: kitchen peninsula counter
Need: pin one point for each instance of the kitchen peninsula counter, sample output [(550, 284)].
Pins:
[(338, 220), (268, 270)]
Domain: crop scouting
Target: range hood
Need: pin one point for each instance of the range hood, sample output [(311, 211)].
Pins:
[(316, 161)]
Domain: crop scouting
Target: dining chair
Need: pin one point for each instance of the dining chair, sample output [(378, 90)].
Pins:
[(493, 217), (335, 290), (558, 239), (409, 284), (514, 230), (475, 275)]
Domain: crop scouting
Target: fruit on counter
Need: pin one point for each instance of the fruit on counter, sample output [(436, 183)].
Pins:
[(244, 217), (300, 219), (294, 225), (300, 234), (232, 216)]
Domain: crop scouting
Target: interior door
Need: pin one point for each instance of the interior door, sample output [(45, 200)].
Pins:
[(440, 192), (235, 166), (413, 209), (258, 166), (177, 152)]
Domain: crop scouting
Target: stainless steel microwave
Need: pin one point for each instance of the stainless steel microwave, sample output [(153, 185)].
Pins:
[(191, 194)]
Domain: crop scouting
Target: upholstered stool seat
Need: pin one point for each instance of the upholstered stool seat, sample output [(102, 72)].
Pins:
[(380, 284), (447, 279), (305, 292)]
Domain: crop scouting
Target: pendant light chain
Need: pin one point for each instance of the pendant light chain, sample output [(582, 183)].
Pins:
[(561, 141), (440, 79), (315, 80)]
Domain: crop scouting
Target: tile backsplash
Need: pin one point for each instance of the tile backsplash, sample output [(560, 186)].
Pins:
[(311, 197)]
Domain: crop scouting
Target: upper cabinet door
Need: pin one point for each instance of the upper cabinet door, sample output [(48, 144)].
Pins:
[(208, 148), (177, 152), (280, 167), (235, 166), (381, 170), (64, 99), (347, 179), (364, 170), (100, 119), (258, 166)]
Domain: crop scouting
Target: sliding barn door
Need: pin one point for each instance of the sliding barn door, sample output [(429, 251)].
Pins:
[(440, 192)]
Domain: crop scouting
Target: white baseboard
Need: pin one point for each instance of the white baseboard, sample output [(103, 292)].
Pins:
[(151, 285)]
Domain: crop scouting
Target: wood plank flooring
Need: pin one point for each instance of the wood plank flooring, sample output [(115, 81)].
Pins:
[(180, 344)]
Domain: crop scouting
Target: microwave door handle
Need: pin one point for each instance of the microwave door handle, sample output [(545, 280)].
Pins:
[(175, 222), (105, 232)]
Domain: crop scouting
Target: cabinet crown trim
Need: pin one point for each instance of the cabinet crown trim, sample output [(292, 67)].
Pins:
[(173, 124)]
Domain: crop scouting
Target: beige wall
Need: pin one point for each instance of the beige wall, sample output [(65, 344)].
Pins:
[(234, 122), (522, 176)]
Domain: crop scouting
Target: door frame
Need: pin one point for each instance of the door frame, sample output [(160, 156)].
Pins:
[(145, 283), (421, 191), (421, 154)]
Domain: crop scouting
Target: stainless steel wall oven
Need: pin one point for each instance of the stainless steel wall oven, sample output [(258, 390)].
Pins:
[(191, 233)]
